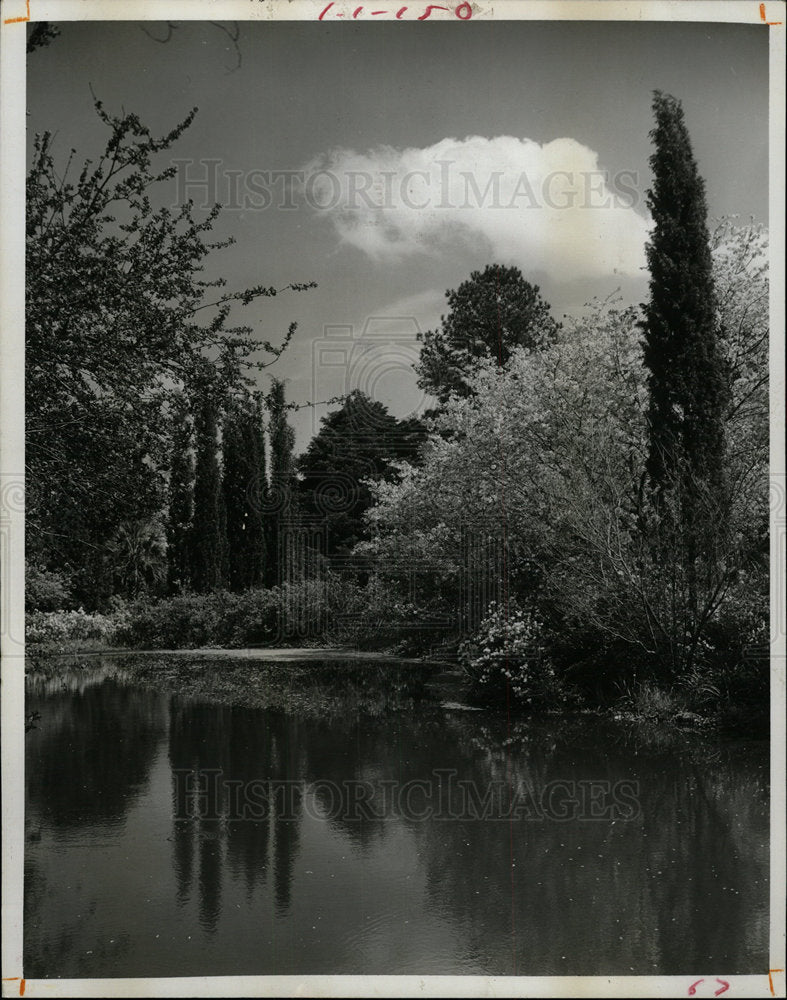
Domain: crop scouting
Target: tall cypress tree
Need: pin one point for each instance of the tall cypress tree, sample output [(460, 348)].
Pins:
[(181, 497), (234, 481), (224, 548), (282, 436), (207, 537), (689, 392), (244, 487), (282, 442), (258, 495), (687, 383)]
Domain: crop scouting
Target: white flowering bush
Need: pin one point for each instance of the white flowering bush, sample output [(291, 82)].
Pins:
[(52, 627), (508, 658)]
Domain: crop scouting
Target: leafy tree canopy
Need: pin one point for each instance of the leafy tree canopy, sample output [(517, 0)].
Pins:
[(120, 317)]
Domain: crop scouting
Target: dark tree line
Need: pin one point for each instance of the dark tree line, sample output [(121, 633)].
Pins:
[(228, 515), (219, 516)]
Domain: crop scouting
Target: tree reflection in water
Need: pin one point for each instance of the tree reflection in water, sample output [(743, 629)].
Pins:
[(683, 886)]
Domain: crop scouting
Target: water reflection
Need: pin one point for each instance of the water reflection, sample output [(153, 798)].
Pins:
[(145, 857), (91, 753), (661, 893), (216, 753)]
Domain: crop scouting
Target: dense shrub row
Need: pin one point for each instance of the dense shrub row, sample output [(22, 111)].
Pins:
[(191, 620), (513, 658), (332, 610)]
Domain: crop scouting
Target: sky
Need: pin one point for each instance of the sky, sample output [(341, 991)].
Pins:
[(410, 155)]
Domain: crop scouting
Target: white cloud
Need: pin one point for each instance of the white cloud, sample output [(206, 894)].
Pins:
[(546, 208)]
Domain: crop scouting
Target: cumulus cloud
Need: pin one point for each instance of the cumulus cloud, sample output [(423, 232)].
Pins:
[(546, 208)]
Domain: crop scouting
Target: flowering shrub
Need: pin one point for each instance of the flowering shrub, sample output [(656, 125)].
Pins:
[(67, 626), (508, 658)]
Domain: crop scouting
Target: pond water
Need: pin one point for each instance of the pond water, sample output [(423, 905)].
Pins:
[(190, 817)]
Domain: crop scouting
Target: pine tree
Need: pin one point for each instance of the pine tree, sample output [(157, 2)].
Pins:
[(687, 384), (181, 497), (244, 488), (492, 313), (207, 537)]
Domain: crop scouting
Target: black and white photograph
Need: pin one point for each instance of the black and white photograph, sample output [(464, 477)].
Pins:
[(393, 498)]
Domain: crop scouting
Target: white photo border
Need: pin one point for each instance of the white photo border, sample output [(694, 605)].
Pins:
[(15, 15)]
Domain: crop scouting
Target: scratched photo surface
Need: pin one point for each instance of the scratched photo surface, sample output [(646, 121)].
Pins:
[(397, 497)]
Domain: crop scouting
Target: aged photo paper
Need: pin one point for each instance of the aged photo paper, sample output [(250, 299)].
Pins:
[(392, 498)]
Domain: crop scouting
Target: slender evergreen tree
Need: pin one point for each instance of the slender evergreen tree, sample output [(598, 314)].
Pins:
[(181, 497), (207, 537), (687, 383), (245, 487), (282, 436), (282, 441), (224, 548), (234, 484), (688, 387), (258, 495)]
